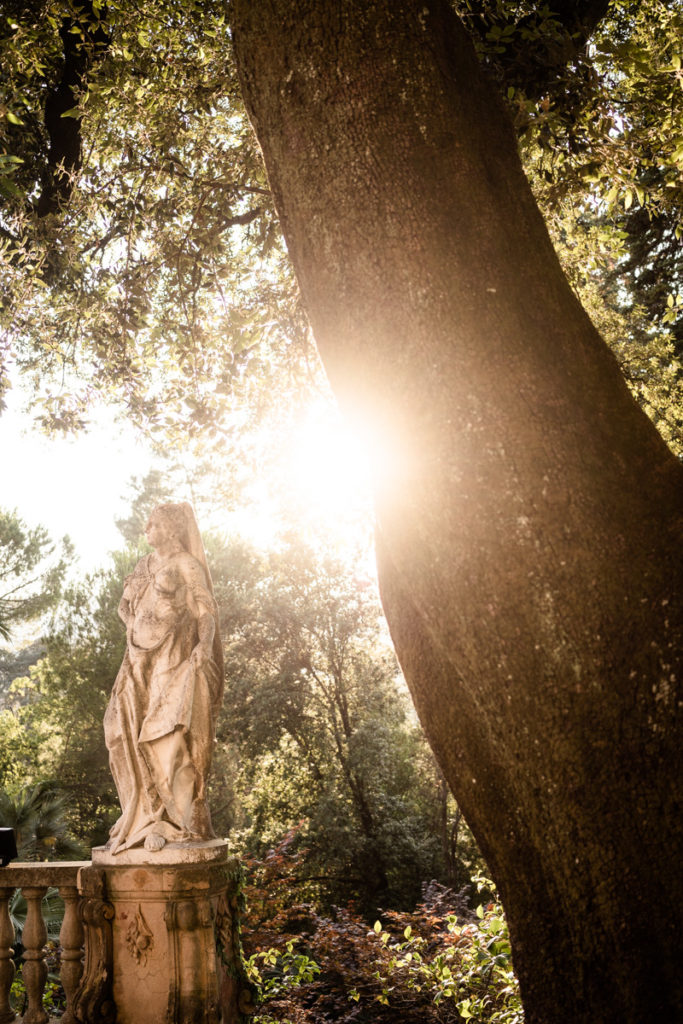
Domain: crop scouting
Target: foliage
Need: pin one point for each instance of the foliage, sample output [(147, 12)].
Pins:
[(428, 965), (54, 999), (603, 124), (37, 815), (52, 913), (51, 908), (147, 492), (592, 249), (160, 277), (607, 175), (53, 726), (162, 272), (317, 734), (32, 570), (275, 971), (602, 142), (320, 723)]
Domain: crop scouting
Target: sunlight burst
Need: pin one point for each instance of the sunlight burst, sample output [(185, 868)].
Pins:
[(320, 483)]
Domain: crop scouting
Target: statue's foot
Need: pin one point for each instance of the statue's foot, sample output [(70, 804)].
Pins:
[(154, 842)]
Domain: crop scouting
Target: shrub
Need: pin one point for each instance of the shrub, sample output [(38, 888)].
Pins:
[(432, 965)]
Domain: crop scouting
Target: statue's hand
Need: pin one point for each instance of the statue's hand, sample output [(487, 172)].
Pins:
[(200, 656)]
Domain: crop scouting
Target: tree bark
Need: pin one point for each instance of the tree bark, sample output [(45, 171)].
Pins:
[(529, 516)]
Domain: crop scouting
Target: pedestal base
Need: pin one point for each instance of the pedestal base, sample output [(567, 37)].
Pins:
[(174, 946), (213, 851)]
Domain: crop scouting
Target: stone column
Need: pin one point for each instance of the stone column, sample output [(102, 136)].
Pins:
[(71, 941), (34, 938)]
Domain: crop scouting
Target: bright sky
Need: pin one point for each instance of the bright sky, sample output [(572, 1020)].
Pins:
[(70, 485), (322, 481), (80, 485)]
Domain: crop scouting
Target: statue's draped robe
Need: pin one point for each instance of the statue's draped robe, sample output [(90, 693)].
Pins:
[(160, 722)]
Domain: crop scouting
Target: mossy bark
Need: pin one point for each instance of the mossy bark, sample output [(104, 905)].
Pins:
[(529, 516)]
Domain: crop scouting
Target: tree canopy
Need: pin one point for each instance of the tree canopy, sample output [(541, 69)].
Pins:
[(142, 260), (130, 262), (32, 570)]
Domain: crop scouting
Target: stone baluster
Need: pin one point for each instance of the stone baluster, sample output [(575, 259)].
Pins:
[(34, 970), (7, 1014), (71, 941)]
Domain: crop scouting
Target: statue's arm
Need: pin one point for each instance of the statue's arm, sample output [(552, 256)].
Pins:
[(203, 607), (206, 629), (124, 603)]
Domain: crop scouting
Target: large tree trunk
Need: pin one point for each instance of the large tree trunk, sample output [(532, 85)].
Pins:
[(529, 515)]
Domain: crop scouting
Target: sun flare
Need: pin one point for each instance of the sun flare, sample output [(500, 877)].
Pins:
[(320, 484)]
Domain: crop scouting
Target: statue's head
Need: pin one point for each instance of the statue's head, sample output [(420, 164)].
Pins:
[(172, 517)]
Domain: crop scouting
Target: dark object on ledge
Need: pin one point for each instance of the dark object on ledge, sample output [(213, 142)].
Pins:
[(8, 846)]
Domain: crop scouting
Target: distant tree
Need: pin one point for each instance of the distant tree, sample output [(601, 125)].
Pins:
[(53, 726), (32, 570), (315, 707), (146, 492), (316, 726)]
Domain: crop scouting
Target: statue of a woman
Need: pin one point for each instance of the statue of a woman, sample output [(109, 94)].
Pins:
[(160, 723)]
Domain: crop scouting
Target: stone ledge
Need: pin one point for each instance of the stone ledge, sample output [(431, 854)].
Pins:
[(177, 854), (36, 873)]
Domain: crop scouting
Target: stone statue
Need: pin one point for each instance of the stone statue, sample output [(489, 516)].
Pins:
[(160, 723)]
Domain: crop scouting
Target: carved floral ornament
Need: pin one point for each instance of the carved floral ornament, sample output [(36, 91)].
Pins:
[(139, 938)]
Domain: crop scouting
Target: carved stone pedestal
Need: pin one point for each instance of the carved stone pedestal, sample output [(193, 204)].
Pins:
[(174, 949)]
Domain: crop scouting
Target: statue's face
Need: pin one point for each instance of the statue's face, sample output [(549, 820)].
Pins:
[(155, 531)]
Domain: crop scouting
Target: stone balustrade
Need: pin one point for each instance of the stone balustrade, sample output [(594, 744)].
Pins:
[(34, 879), (141, 942)]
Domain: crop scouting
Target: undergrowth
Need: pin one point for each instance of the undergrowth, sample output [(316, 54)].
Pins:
[(441, 963)]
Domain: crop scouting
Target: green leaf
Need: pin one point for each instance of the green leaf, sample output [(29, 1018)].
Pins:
[(9, 189), (612, 195), (12, 118)]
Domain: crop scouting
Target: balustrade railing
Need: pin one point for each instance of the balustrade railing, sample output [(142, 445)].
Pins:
[(34, 880)]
